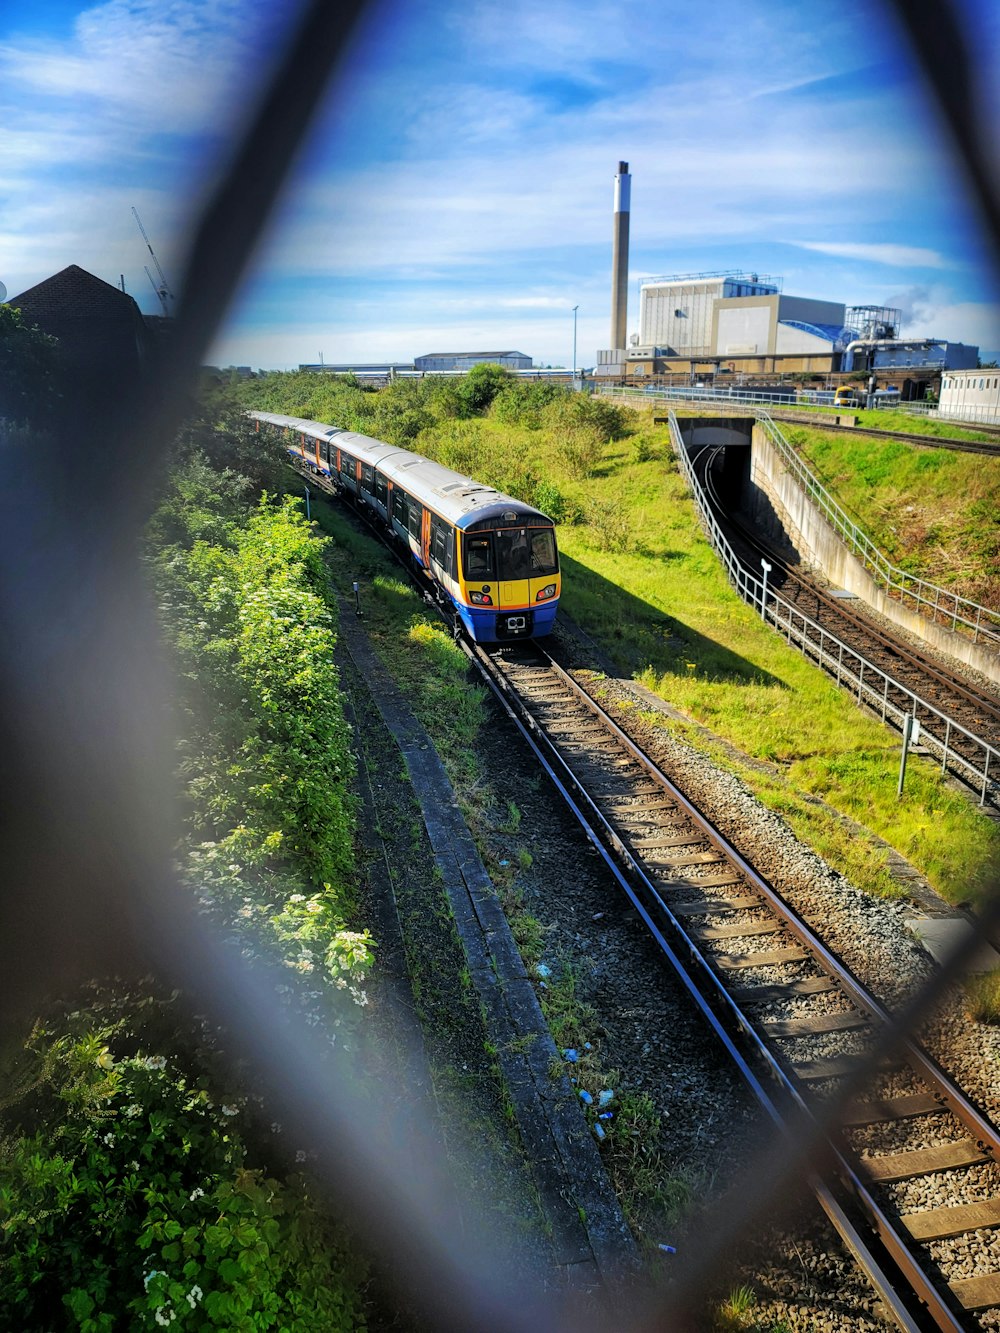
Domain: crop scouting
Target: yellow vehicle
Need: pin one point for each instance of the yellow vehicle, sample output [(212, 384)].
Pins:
[(847, 395)]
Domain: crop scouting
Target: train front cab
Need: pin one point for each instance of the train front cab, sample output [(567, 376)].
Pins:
[(509, 581)]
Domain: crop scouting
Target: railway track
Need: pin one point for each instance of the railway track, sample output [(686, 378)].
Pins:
[(948, 705), (911, 437), (797, 1023), (918, 1182)]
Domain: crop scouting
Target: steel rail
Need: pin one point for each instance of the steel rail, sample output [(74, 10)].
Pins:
[(907, 653), (890, 1259), (833, 655), (710, 996), (919, 1060)]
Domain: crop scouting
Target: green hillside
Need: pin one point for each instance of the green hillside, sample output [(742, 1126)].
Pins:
[(641, 578), (934, 512)]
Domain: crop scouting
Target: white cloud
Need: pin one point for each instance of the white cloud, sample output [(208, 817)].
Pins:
[(167, 64), (934, 313), (898, 256)]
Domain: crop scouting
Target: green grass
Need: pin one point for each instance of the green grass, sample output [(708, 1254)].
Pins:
[(982, 997), (664, 610), (933, 512)]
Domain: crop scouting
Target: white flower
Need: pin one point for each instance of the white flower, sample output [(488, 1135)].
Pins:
[(197, 1193), (155, 1062), (275, 1127), (297, 898), (149, 1277), (133, 1110), (300, 1156), (194, 1296), (229, 1110)]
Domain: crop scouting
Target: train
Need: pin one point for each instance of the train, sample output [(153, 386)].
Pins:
[(494, 559)]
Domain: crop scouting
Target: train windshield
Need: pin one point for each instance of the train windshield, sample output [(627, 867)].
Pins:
[(525, 552)]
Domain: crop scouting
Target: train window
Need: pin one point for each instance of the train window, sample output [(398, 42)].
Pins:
[(346, 464), (413, 517), (477, 558), (543, 552), (512, 553), (381, 488), (399, 505), (366, 476), (443, 544)]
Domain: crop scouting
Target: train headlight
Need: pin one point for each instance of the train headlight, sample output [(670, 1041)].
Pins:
[(480, 598), (548, 591)]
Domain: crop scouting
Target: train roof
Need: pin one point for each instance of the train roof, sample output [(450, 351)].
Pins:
[(462, 500)]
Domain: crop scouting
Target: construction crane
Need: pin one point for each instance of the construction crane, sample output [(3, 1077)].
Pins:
[(162, 289)]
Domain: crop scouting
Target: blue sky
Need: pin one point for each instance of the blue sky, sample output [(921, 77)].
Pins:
[(456, 190)]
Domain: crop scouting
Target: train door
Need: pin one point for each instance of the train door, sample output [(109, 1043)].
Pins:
[(425, 538), (512, 567), (414, 524)]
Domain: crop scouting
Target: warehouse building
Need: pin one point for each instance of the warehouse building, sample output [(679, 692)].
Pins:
[(733, 321), (466, 360), (971, 395)]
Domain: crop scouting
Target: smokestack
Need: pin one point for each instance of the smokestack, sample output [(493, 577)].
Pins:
[(619, 257)]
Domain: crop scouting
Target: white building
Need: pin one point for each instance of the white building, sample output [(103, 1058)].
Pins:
[(740, 320), (678, 312), (972, 395)]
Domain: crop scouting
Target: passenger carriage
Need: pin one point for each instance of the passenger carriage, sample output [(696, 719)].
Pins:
[(493, 557)]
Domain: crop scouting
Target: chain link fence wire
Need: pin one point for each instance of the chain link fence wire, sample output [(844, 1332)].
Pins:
[(87, 812)]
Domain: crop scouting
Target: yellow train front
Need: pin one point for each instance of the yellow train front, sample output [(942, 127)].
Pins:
[(508, 584), (493, 557)]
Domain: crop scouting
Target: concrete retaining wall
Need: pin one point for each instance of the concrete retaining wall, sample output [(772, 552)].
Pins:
[(774, 492)]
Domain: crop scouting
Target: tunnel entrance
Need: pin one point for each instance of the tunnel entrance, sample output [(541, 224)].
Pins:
[(734, 435)]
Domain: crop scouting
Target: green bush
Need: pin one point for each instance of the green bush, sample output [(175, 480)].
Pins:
[(128, 1200), (265, 761), (610, 525)]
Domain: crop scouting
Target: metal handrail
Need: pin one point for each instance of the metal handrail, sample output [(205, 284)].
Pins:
[(867, 682), (939, 603)]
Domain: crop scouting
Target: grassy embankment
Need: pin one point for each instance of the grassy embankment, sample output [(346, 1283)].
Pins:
[(640, 577), (933, 512)]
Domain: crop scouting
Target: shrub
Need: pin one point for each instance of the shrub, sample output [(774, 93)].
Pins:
[(129, 1201), (550, 500), (610, 525), (265, 762), (479, 386), (522, 402), (580, 448)]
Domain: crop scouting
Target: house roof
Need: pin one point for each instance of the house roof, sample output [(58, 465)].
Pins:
[(75, 292)]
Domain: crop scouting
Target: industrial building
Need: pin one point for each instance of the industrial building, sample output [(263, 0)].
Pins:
[(466, 360), (731, 321), (972, 395), (923, 354), (379, 369)]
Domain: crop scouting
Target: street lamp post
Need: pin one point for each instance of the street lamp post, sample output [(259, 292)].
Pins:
[(575, 309), (763, 592)]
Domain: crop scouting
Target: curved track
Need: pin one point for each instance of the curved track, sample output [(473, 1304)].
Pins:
[(800, 1029), (948, 705), (799, 1026)]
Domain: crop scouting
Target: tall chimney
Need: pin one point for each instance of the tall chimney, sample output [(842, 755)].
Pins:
[(619, 257)]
